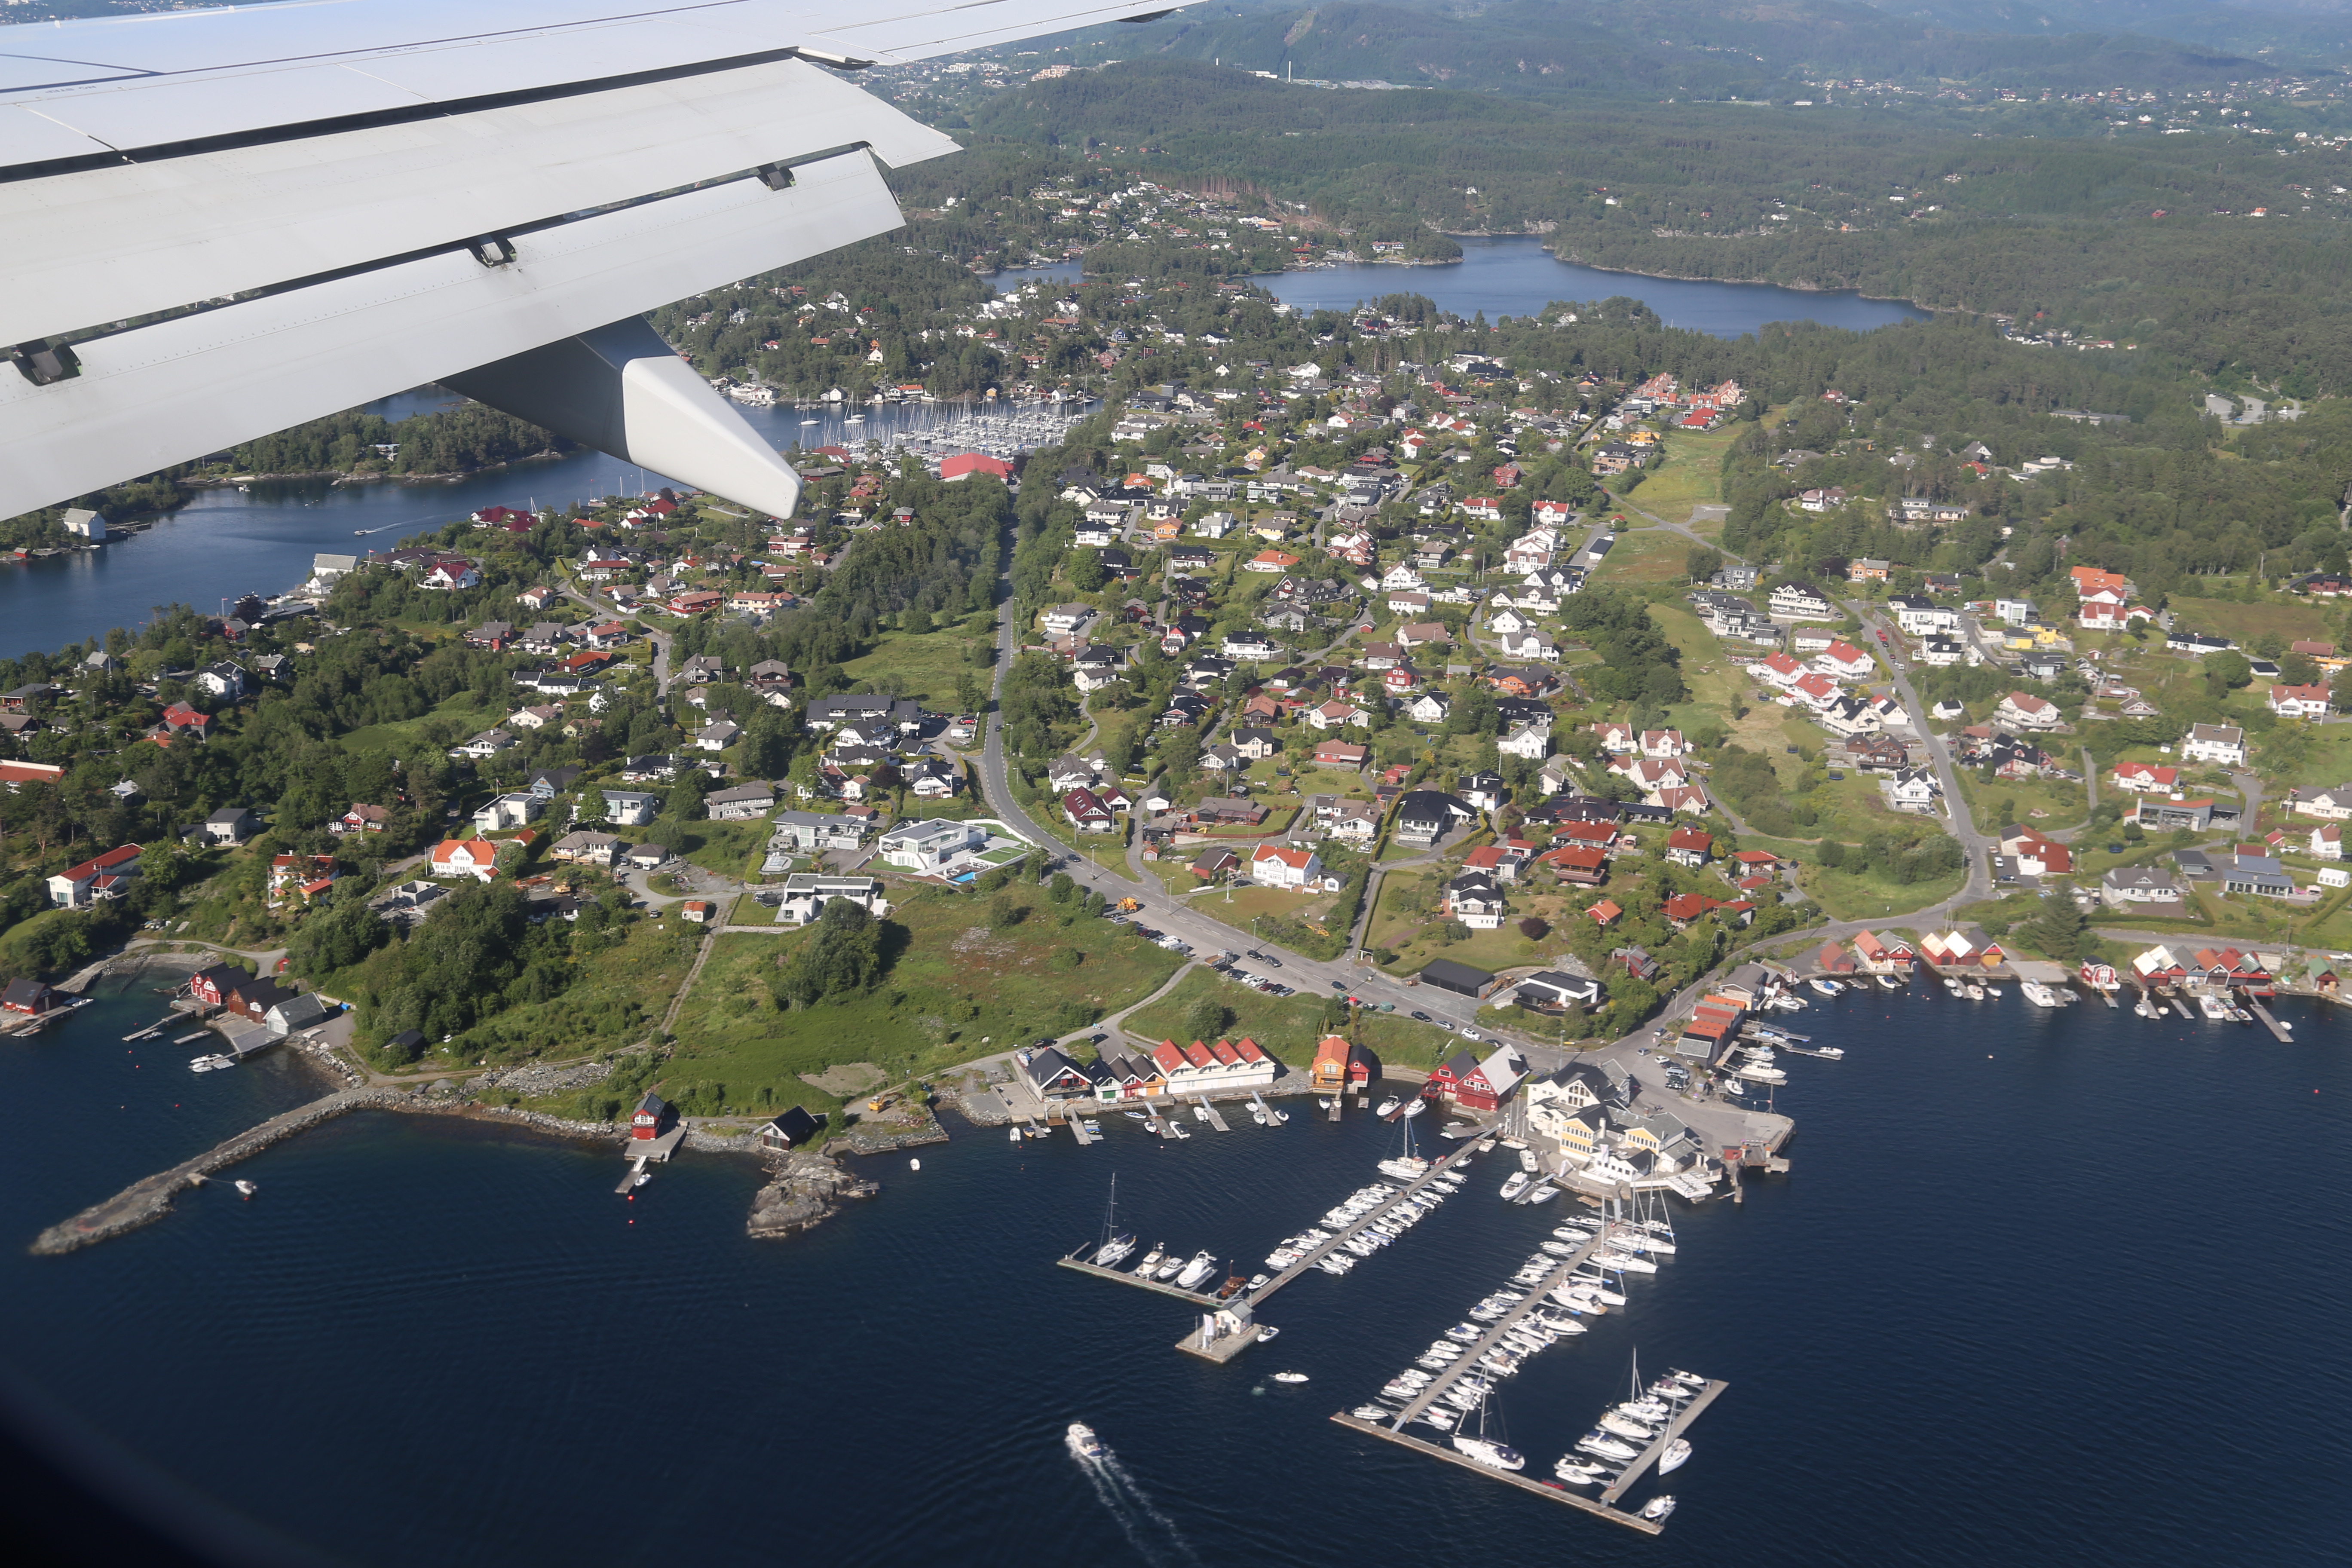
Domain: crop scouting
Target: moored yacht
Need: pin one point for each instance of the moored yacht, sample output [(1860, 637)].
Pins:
[(1824, 987), (2040, 995), (1515, 1184), (1888, 983), (1386, 1107), (1676, 1453), (1495, 1456), (1658, 1507)]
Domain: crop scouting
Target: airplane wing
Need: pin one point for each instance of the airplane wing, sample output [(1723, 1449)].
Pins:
[(226, 222)]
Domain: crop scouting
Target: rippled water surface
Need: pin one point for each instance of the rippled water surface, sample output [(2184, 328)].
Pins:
[(2042, 1288)]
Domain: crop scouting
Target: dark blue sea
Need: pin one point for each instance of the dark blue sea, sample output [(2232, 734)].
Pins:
[(2042, 1288)]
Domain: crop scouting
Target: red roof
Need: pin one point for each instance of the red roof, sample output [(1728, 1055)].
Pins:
[(123, 855), (964, 463)]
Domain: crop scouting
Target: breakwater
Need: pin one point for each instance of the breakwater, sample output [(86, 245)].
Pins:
[(150, 1199)]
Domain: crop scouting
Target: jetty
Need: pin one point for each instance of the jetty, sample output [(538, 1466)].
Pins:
[(2278, 1030), (1553, 1493), (1208, 1113), (1537, 1296), (1649, 1456), (1225, 1347)]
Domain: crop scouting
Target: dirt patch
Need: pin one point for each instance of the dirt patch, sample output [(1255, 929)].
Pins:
[(846, 1079)]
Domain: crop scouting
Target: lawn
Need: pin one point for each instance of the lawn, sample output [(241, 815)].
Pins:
[(2063, 804), (2243, 624), (1288, 1027), (954, 990), (730, 849), (406, 732), (1691, 473), (1412, 937), (924, 667), (2293, 753), (1847, 895), (1645, 556)]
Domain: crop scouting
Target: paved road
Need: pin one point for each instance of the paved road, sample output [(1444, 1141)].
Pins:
[(1961, 826)]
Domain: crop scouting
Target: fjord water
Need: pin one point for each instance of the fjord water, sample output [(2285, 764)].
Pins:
[(2042, 1288), (1516, 277)]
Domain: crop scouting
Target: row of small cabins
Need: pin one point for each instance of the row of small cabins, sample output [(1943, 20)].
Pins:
[(1228, 1067)]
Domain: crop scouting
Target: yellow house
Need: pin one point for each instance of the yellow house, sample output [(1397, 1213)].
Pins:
[(1330, 1072)]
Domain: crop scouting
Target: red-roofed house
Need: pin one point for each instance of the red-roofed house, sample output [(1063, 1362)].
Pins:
[(95, 880), (1782, 670), (2299, 701), (1275, 866), (1689, 847), (475, 857), (1602, 912), (2142, 779)]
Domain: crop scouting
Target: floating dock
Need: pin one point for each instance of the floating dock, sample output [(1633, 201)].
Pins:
[(1226, 1347), (1208, 1113), (1649, 1456), (2277, 1029), (1078, 1131), (1537, 1296), (1555, 1492)]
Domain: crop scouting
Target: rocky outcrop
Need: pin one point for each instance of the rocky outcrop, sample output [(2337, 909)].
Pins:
[(806, 1189)]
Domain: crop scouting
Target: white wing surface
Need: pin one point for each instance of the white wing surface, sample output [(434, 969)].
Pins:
[(226, 222)]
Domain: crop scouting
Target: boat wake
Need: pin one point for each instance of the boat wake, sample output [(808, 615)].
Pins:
[(1152, 1534)]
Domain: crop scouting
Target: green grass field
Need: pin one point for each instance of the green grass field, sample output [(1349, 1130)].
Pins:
[(955, 990), (1645, 556), (2244, 623), (1288, 1027), (924, 668), (1691, 474), (406, 732)]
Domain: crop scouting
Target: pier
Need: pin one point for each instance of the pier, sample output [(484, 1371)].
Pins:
[(1537, 1296), (1554, 1492), (1226, 1347), (1078, 1131), (2277, 1029), (1649, 1456), (1208, 1113)]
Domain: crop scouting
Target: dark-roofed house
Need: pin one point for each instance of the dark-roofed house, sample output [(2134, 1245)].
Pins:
[(791, 1130), (1553, 989), (1053, 1076), (651, 1119), (28, 996), (1425, 815), (254, 998), (1459, 978)]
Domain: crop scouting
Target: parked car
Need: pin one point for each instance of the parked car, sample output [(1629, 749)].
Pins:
[(1421, 1018)]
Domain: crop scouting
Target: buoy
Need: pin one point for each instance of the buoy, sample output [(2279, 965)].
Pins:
[(914, 1164)]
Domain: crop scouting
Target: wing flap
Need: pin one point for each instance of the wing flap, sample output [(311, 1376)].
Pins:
[(220, 223), (175, 390)]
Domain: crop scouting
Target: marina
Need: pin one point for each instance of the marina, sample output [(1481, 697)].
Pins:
[(1552, 1492)]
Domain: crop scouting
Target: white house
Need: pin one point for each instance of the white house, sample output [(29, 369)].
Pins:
[(474, 858), (2023, 710), (2223, 743), (630, 808), (807, 892), (2299, 701), (1532, 741), (1918, 616), (937, 846), (1843, 661), (508, 811), (1273, 866), (1914, 789)]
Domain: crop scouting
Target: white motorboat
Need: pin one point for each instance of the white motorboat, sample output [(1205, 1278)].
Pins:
[(1676, 1453), (1975, 993), (1290, 1377), (1626, 1427), (1658, 1507), (1608, 1297), (1151, 1262), (1199, 1113), (1560, 1250), (1266, 1332), (1580, 1472), (1571, 1233), (1372, 1413), (1467, 1333), (1689, 1380), (1335, 1264), (1135, 1115), (1542, 1193), (1386, 1107), (1515, 1184), (1757, 1072), (1528, 1160), (245, 1189), (1495, 1456), (1084, 1442), (1014, 1133), (2040, 995), (1169, 1266), (1824, 987), (2214, 1008), (1954, 986), (1200, 1269), (1888, 983), (1415, 1107), (1991, 989), (1648, 1409), (1437, 1419), (1608, 1448), (1322, 1105)]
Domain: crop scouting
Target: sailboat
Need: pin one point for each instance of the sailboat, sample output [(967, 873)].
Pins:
[(1489, 1451), (1406, 1165), (1116, 1244)]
